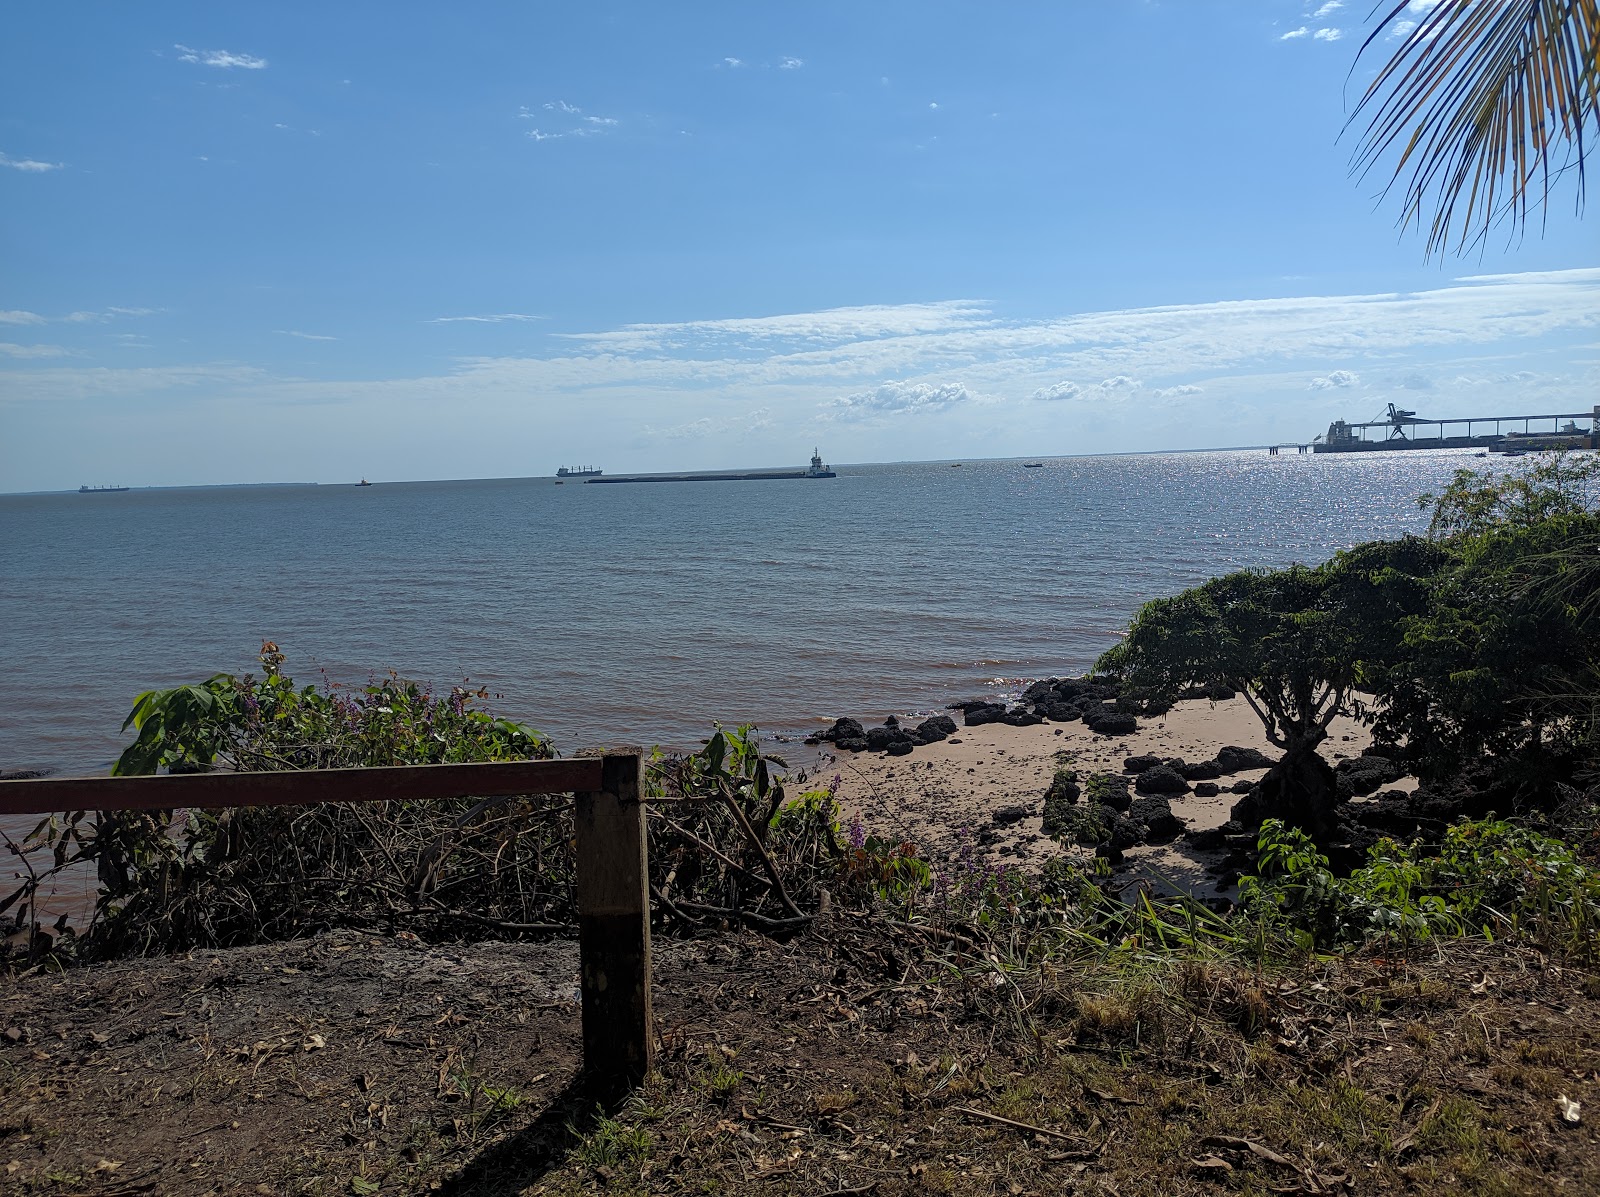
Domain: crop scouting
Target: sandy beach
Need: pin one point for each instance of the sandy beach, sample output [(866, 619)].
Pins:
[(946, 791)]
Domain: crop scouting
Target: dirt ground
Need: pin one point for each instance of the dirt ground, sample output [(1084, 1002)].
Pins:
[(855, 1059)]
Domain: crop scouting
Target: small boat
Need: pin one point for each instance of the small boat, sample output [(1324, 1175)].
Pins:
[(580, 472), (955, 465), (100, 490), (1513, 452), (1033, 465), (363, 482)]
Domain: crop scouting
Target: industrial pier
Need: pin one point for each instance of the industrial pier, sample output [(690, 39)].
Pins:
[(1403, 429)]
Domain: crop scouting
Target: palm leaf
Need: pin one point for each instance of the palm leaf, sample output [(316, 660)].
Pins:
[(1487, 102)]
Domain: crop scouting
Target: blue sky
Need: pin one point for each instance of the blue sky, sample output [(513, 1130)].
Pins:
[(298, 242)]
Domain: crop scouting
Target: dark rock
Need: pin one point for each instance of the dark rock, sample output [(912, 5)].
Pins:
[(1243, 786), (1206, 789), (878, 737), (1233, 759), (1060, 797), (1163, 779), (1366, 774), (1021, 717), (843, 729), (1087, 825), (893, 721), (24, 774), (852, 744), (936, 728), (1059, 712), (1217, 692), (1161, 825), (1007, 815), (1114, 723), (1201, 771), (1212, 839), (1138, 764), (988, 712), (899, 747), (1302, 794), (1108, 789), (1041, 690), (1126, 832)]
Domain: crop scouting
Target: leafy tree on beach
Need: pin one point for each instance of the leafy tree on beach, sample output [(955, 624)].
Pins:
[(1296, 642), (1488, 102), (1505, 658)]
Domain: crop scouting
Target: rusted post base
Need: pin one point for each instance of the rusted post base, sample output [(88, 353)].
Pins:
[(614, 927)]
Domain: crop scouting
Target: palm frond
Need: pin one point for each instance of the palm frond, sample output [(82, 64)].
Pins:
[(1488, 102)]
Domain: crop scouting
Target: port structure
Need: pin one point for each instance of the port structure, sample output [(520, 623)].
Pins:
[(1403, 429)]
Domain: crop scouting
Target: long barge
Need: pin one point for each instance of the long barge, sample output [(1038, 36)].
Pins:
[(815, 470)]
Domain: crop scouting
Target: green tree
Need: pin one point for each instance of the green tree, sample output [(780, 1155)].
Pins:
[(1504, 659), (1296, 642), (1488, 103)]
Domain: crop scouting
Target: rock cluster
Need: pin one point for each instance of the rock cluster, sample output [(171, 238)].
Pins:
[(848, 734), (1111, 820)]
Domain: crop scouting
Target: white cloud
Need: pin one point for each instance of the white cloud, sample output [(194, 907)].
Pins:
[(933, 106), (1120, 383), (786, 63), (1332, 6), (1338, 378), (896, 398), (1058, 390), (29, 165), (116, 311), (1401, 28), (304, 336), (739, 424), (1294, 33), (1328, 35), (496, 318), (220, 58), (31, 351), (18, 317), (1178, 392), (832, 326), (733, 62), (585, 126)]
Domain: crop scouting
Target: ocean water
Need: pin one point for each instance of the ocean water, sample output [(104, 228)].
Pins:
[(640, 614)]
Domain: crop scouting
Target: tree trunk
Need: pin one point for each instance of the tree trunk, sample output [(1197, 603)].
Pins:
[(1300, 789)]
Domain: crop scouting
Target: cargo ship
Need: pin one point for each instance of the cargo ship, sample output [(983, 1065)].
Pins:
[(100, 490), (580, 472)]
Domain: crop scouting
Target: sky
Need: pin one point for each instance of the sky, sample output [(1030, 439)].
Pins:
[(302, 242)]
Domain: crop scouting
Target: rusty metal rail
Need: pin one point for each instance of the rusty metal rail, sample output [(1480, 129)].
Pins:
[(610, 858)]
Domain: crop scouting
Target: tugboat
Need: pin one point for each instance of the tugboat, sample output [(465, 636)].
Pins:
[(581, 472), (817, 469), (363, 482)]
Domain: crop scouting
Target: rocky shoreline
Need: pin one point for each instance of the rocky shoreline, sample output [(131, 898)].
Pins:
[(1074, 767)]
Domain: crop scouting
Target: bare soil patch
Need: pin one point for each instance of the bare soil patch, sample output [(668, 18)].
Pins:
[(859, 1058)]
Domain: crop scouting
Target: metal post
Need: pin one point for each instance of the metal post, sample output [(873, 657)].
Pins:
[(614, 926)]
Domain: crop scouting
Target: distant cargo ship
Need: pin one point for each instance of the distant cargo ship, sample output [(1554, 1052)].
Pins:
[(100, 490), (817, 469), (581, 472)]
